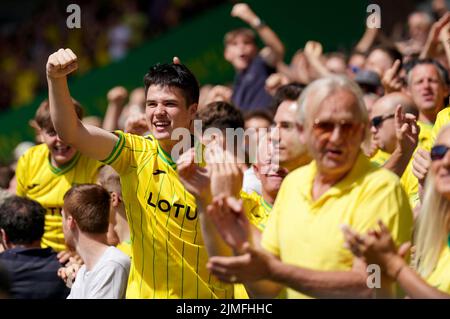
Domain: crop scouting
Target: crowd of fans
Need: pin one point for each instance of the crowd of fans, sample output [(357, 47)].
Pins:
[(114, 28), (342, 163)]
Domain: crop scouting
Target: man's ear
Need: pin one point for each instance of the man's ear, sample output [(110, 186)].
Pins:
[(193, 110), (3, 238), (71, 222)]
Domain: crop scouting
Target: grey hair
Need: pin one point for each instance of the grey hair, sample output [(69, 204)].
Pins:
[(320, 89)]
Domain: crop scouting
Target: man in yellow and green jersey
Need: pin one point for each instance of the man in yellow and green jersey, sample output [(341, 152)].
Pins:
[(169, 256), (46, 171), (442, 119)]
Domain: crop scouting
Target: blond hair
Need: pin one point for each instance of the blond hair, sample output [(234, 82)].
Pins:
[(431, 227)]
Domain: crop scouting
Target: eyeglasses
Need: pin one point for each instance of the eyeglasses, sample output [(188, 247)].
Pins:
[(377, 120), (438, 152), (327, 127)]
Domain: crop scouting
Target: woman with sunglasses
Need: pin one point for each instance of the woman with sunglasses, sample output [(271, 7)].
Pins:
[(430, 275)]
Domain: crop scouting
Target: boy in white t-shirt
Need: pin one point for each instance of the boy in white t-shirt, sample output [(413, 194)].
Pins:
[(85, 224)]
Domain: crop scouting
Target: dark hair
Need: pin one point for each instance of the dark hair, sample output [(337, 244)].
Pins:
[(230, 35), (289, 92), (22, 219), (442, 71), (174, 75), (220, 115), (42, 117), (89, 205), (390, 50), (262, 114), (6, 174)]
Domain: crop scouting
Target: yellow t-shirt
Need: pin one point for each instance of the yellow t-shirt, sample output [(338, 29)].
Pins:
[(38, 179), (306, 232), (440, 277), (442, 119), (169, 256)]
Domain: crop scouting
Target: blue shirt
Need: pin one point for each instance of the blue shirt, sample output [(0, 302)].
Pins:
[(248, 88), (33, 273)]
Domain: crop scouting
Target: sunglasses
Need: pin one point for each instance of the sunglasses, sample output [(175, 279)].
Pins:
[(377, 120), (327, 127), (438, 152)]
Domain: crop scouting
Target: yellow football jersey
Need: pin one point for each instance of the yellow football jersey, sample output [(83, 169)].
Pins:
[(125, 247), (38, 179), (256, 209), (169, 256)]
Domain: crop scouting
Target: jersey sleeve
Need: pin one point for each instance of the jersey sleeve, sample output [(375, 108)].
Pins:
[(128, 151), (21, 172)]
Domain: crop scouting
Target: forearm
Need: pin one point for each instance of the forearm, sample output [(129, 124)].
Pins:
[(90, 140), (322, 284), (446, 45), (366, 40), (112, 117), (215, 245), (62, 109), (270, 39), (415, 287), (398, 162), (319, 67)]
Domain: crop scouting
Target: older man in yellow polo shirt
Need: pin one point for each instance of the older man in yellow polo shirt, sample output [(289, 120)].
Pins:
[(303, 244)]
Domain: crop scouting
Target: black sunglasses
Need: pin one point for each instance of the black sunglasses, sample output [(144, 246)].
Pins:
[(377, 120), (438, 152)]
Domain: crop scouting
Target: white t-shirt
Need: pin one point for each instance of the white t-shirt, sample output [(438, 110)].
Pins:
[(107, 280), (251, 183)]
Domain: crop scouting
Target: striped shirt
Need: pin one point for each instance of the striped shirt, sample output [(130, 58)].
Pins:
[(169, 256)]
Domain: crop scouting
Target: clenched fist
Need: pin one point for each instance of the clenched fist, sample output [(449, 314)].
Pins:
[(244, 12), (61, 63), (117, 95)]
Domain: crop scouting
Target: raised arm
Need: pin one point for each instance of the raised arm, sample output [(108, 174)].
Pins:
[(267, 35), (89, 140)]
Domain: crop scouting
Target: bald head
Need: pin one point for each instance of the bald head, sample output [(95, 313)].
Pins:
[(384, 133), (388, 103)]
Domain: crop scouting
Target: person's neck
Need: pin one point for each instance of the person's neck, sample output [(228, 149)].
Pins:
[(323, 182), (34, 244), (122, 229), (167, 146), (428, 117), (269, 197), (91, 248), (298, 162)]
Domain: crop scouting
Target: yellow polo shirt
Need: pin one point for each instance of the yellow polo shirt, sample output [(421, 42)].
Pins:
[(440, 277), (380, 158), (306, 232)]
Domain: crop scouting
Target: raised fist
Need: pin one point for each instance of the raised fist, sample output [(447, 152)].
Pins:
[(243, 12), (61, 63), (117, 95)]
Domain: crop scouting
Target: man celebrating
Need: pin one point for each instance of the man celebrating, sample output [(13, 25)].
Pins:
[(303, 246), (169, 256)]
